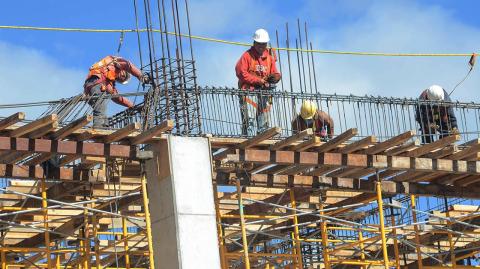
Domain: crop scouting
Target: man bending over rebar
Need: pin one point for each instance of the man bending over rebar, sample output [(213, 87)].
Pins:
[(101, 80), (434, 118), (257, 70), (312, 117)]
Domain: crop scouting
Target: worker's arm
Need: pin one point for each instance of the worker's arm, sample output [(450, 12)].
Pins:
[(296, 125), (128, 66), (119, 99), (241, 69)]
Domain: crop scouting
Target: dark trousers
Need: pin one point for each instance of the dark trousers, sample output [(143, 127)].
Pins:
[(428, 133), (99, 106)]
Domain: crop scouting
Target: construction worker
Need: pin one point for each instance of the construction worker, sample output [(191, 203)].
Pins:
[(311, 117), (101, 80), (434, 118), (256, 70)]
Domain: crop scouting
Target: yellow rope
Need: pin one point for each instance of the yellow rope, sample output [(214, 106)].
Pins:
[(233, 42)]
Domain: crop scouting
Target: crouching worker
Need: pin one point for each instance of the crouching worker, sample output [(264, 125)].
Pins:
[(435, 118), (311, 117), (101, 80), (256, 70)]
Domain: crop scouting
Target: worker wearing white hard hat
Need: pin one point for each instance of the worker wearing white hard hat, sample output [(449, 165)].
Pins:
[(256, 70), (435, 116)]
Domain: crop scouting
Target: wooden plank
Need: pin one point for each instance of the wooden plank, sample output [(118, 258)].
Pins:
[(353, 160), (322, 170), (121, 133), (71, 127), (312, 142), (248, 143), (260, 137), (292, 139), (65, 147), (382, 146), (402, 148), (352, 184), (427, 148), (11, 120), (338, 140), (442, 153), (467, 181), (474, 147), (448, 179), (358, 145), (146, 136), (34, 125), (40, 132)]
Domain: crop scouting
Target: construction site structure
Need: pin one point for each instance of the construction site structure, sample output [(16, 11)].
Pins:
[(175, 183)]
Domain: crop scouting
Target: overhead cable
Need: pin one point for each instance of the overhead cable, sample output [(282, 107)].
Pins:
[(209, 39)]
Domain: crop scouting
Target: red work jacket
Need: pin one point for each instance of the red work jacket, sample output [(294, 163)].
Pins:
[(251, 68)]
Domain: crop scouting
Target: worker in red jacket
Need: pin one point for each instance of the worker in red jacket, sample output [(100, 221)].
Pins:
[(256, 70), (102, 78), (311, 117)]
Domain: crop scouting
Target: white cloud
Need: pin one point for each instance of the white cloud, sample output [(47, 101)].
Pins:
[(377, 26), (28, 75)]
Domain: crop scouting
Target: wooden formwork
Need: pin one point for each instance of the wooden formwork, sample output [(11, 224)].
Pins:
[(297, 196)]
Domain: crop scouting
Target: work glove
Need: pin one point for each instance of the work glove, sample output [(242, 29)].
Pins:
[(146, 79), (433, 126), (455, 131), (273, 78)]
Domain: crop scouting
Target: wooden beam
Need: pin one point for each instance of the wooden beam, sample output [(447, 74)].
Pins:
[(260, 137), (473, 147), (36, 172), (354, 161), (382, 146), (312, 142), (71, 127), (34, 125), (352, 184), (249, 142), (402, 148), (292, 139), (65, 147), (338, 140), (121, 133), (358, 145), (40, 132), (427, 148), (146, 136), (11, 120), (442, 153)]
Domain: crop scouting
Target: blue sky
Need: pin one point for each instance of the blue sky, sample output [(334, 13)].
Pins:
[(40, 65)]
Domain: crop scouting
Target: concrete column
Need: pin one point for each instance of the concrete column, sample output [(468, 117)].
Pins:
[(180, 190)]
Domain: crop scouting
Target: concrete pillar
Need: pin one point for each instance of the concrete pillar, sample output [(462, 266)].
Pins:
[(180, 190)]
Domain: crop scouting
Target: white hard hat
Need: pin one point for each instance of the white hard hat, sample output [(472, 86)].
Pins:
[(435, 93), (261, 36)]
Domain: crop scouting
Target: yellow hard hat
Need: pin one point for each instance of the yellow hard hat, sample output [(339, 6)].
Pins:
[(308, 109)]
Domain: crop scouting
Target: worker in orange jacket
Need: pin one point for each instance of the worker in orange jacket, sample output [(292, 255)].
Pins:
[(311, 117), (101, 79), (257, 70)]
